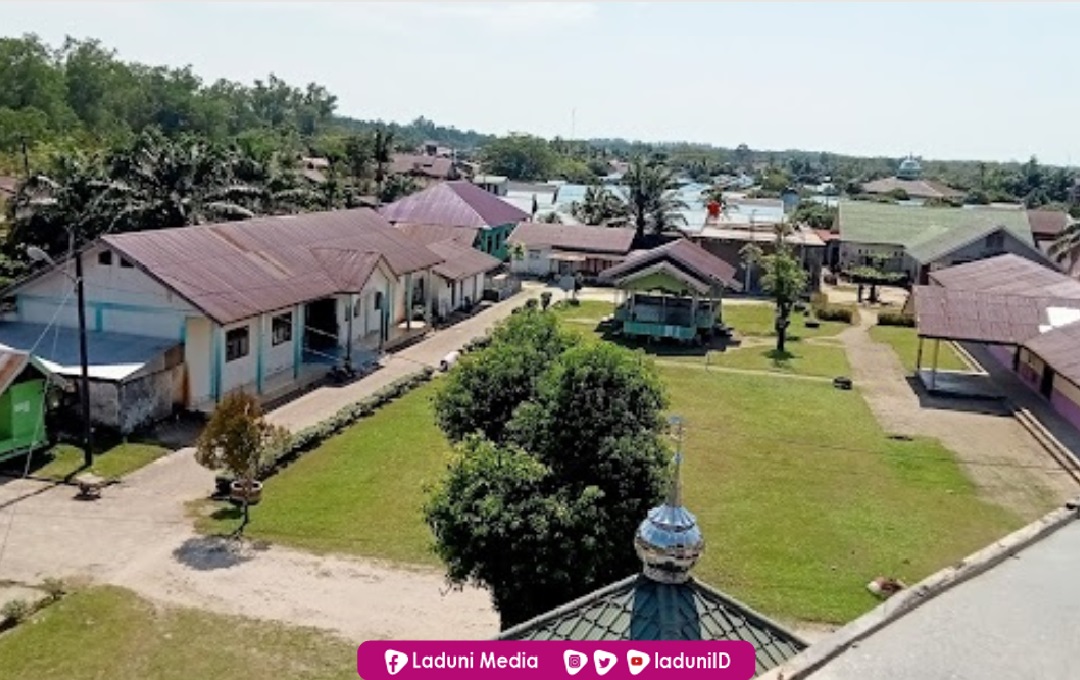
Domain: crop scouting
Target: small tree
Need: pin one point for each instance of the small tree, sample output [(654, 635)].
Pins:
[(751, 255), (874, 274), (784, 279), (236, 440)]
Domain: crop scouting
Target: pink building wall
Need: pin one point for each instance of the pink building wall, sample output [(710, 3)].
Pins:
[(1068, 408)]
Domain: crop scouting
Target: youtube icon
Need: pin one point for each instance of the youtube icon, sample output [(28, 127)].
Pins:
[(636, 661)]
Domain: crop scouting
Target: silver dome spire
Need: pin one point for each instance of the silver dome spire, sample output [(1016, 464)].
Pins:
[(669, 541)]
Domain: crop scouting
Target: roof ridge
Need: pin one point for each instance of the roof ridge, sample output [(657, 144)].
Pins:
[(571, 605)]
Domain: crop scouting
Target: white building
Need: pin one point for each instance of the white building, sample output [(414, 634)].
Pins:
[(266, 305), (544, 249)]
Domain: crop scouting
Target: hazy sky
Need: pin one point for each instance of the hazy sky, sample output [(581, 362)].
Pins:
[(964, 80)]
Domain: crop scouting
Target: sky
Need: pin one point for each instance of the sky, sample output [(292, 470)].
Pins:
[(991, 81)]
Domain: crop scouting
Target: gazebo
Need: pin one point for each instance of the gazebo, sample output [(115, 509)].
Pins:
[(673, 291)]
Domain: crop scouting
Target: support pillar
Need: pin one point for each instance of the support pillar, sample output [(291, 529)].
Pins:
[(918, 356), (933, 371), (349, 313), (260, 344), (427, 298), (298, 341), (408, 302)]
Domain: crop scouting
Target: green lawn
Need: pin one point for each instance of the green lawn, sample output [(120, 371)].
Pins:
[(803, 499), (112, 463), (360, 492), (753, 323), (109, 632), (905, 342)]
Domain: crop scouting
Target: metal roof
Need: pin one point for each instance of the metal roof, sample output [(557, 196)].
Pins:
[(638, 608), (1047, 222), (1007, 274), (916, 188), (236, 270), (433, 233), (683, 254), (871, 222), (111, 357), (461, 261), (982, 316), (455, 204), (961, 236), (1060, 348), (573, 237)]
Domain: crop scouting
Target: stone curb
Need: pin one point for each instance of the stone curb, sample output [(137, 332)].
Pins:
[(817, 655)]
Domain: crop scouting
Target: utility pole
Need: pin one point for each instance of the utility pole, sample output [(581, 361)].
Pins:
[(88, 453)]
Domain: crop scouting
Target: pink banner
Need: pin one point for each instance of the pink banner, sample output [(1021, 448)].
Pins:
[(726, 660)]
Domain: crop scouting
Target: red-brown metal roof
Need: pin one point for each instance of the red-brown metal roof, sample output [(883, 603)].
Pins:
[(981, 316), (578, 238), (1010, 275), (684, 254), (461, 261), (237, 270), (12, 364), (455, 204), (1047, 223), (433, 233)]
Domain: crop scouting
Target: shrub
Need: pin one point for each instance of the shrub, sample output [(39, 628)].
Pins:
[(15, 610), (843, 313), (545, 299), (896, 319), (54, 588)]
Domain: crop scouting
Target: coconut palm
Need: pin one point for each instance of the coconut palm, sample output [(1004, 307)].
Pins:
[(1066, 246), (382, 152), (600, 206), (654, 205)]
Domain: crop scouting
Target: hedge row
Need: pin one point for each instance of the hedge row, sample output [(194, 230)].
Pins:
[(311, 437), (896, 319)]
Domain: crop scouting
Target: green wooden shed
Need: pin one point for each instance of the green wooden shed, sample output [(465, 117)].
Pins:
[(24, 383)]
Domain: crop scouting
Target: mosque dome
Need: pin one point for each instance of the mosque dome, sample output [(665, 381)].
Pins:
[(669, 541), (909, 169)]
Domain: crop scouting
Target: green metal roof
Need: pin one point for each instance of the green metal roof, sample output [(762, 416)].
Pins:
[(906, 226), (638, 608), (944, 243)]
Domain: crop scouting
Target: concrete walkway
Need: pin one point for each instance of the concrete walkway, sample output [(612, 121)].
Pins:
[(139, 535), (1004, 461)]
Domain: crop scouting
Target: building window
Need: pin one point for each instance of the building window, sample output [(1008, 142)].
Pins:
[(236, 344), (534, 254), (105, 257), (126, 263), (281, 329)]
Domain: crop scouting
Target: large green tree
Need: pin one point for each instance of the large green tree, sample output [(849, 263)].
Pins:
[(520, 157), (549, 514), (484, 389), (601, 207)]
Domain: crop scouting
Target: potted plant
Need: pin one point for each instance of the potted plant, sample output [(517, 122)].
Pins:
[(236, 440)]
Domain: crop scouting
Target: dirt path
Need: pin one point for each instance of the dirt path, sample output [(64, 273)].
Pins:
[(139, 535), (1003, 460)]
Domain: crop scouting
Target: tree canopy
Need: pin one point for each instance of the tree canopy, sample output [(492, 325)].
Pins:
[(546, 511)]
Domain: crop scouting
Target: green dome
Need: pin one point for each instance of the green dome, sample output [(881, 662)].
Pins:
[(909, 169)]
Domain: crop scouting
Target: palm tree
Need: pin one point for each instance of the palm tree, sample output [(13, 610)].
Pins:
[(1067, 245), (601, 207), (160, 183), (751, 255), (653, 204), (382, 152)]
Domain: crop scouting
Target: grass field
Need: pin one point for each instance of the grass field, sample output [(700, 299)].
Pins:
[(112, 463), (109, 632), (802, 497), (754, 324), (905, 342), (360, 492)]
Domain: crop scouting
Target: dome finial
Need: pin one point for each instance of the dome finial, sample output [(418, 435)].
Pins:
[(669, 541)]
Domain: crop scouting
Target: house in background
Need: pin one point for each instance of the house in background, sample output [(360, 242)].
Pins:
[(673, 291), (314, 169), (914, 240), (460, 204), (493, 184), (426, 169), (265, 305), (24, 400), (544, 249), (909, 180)]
